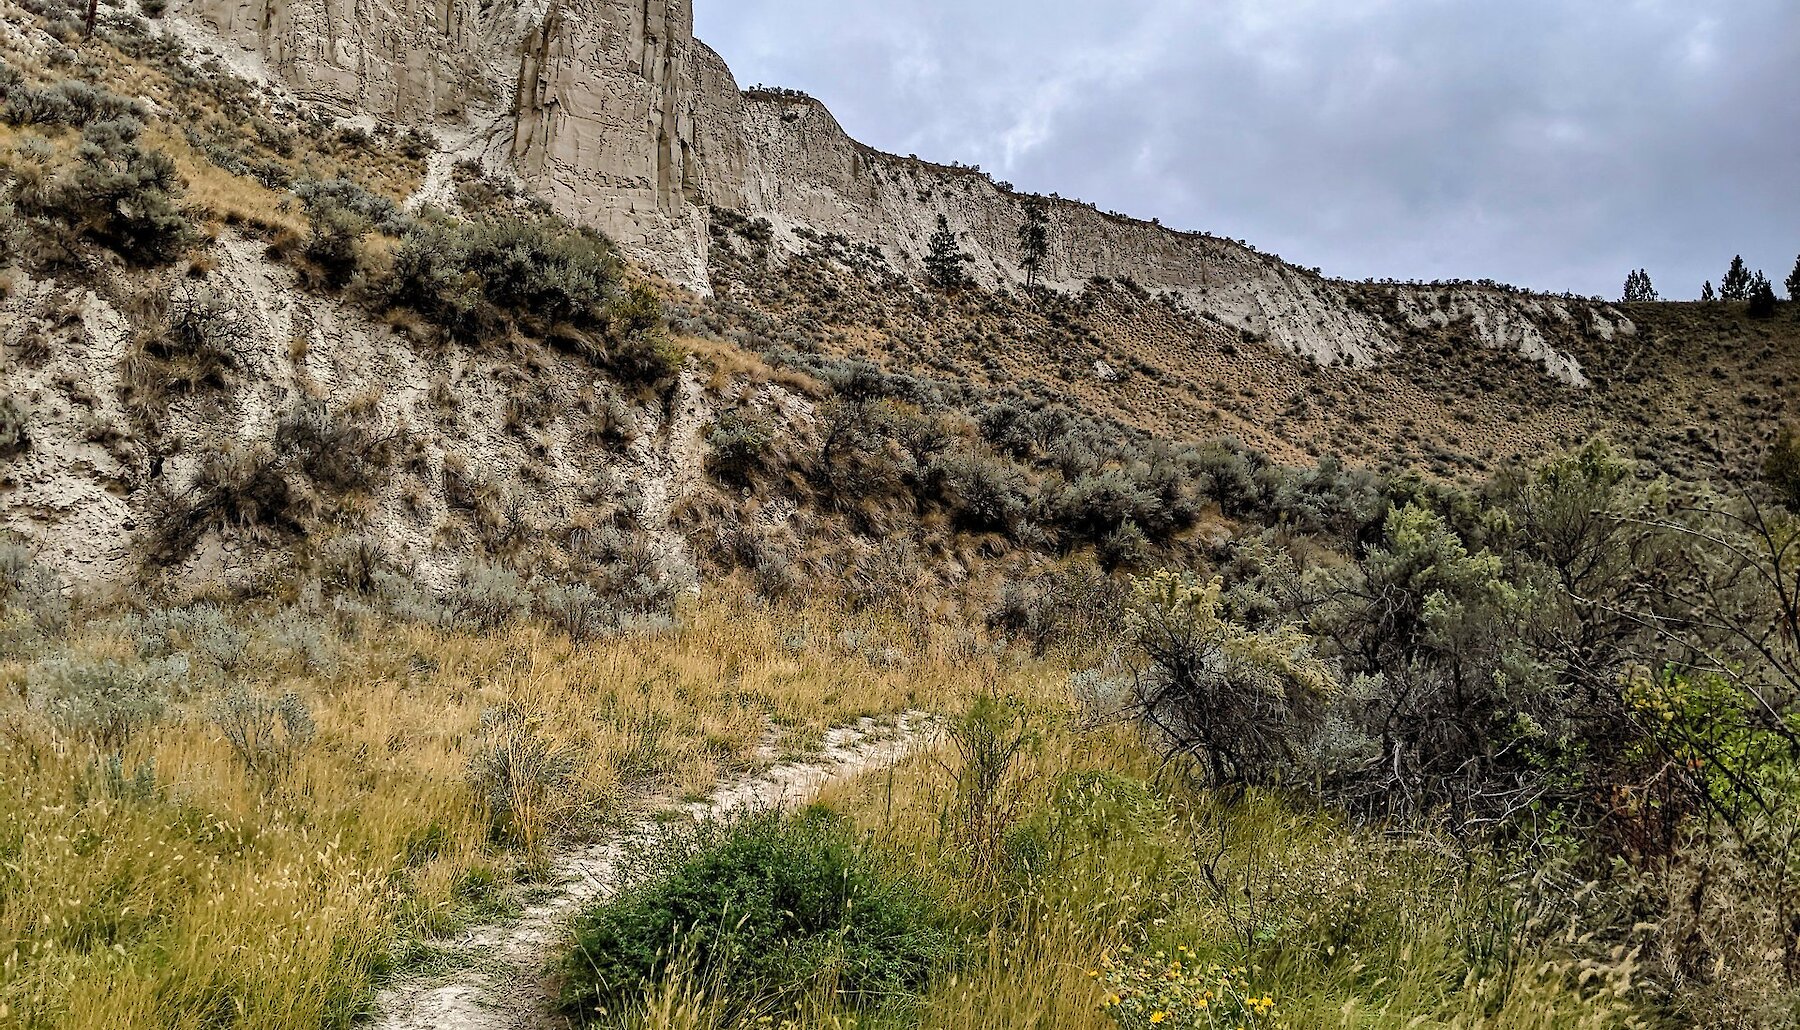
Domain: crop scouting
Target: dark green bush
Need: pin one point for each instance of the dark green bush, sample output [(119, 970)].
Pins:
[(769, 908), (119, 195), (1096, 505), (1781, 467), (480, 279), (379, 211), (332, 242), (985, 495), (649, 360), (740, 448), (69, 102), (339, 213), (15, 432)]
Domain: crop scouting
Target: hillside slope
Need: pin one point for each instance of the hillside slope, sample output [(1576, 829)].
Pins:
[(525, 434)]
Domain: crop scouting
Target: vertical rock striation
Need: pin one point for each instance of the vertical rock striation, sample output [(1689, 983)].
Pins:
[(605, 127), (408, 60)]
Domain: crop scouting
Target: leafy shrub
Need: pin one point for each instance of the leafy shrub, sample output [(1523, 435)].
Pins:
[(513, 770), (201, 631), (335, 235), (739, 448), (984, 494), (490, 596), (648, 360), (1125, 548), (1097, 505), (631, 572), (68, 102), (479, 278), (103, 703), (1246, 704), (378, 211), (771, 907), (118, 194), (1781, 467), (29, 586), (339, 214), (15, 423), (266, 734)]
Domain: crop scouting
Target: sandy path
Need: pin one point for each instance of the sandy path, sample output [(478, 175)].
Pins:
[(500, 979)]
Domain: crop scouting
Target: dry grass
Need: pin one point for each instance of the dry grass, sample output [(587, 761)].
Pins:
[(1695, 385), (277, 901)]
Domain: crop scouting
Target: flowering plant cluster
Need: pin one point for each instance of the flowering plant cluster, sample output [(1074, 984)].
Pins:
[(1160, 990)]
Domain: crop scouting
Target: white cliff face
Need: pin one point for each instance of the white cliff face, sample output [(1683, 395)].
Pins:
[(410, 60), (624, 121), (605, 127)]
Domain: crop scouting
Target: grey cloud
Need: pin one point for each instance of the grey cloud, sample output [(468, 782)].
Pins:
[(1552, 143)]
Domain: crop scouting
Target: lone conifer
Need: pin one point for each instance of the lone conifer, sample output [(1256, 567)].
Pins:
[(1762, 297), (1034, 240), (944, 258), (1736, 284)]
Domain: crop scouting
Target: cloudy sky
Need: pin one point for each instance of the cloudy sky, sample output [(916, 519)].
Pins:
[(1555, 144)]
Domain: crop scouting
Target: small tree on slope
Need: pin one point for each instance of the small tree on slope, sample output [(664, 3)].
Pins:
[(1736, 284), (944, 258), (1762, 297), (1034, 241)]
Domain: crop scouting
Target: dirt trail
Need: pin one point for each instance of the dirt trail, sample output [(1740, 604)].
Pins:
[(500, 979)]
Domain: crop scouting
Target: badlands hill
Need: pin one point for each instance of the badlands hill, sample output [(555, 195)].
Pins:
[(385, 379), (783, 252)]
